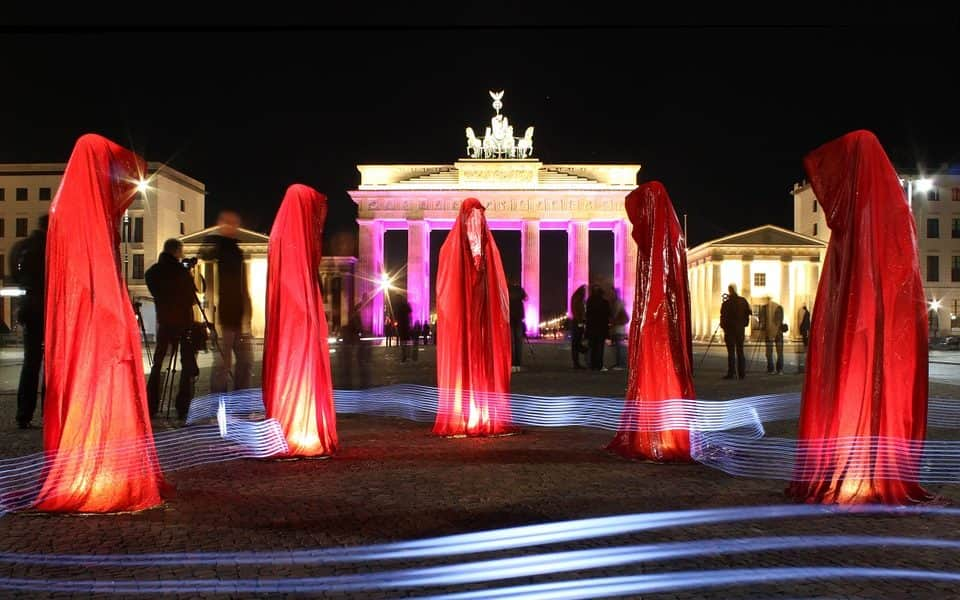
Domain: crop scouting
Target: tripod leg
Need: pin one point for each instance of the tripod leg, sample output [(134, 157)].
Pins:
[(167, 394)]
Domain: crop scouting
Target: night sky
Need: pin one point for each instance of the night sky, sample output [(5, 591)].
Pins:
[(722, 117)]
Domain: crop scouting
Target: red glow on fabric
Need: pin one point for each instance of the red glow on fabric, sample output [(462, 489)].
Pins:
[(867, 364), (473, 330), (97, 433), (297, 386), (660, 343)]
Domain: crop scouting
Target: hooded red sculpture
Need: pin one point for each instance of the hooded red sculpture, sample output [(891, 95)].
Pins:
[(97, 433), (297, 387), (866, 376), (661, 347), (473, 330)]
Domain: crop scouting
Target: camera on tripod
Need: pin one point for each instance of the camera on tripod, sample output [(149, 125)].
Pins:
[(189, 263)]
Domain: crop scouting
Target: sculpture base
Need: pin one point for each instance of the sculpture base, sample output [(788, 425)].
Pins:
[(47, 513)]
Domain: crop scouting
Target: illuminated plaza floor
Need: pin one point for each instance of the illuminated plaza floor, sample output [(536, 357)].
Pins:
[(393, 481)]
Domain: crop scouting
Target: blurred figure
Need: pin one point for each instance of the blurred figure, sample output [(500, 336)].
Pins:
[(350, 333), (234, 308), (517, 297), (771, 324), (28, 268), (598, 326), (805, 334), (174, 294), (415, 335), (618, 330), (804, 325), (578, 303)]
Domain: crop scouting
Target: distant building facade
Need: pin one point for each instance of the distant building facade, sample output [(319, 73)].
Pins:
[(172, 206), (936, 211), (764, 261)]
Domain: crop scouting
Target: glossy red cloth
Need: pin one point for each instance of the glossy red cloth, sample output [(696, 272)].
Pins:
[(97, 432), (297, 387), (866, 372), (473, 330), (661, 346)]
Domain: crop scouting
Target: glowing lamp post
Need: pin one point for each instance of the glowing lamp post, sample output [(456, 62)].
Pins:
[(922, 185)]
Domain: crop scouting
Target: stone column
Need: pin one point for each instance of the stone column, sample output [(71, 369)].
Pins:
[(786, 297), (369, 268), (578, 256), (714, 290), (746, 288), (625, 263), (418, 269), (530, 275), (345, 305)]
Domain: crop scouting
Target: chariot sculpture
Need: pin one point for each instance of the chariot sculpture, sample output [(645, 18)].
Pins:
[(498, 140)]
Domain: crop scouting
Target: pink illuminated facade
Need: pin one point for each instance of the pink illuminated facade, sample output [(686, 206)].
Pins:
[(520, 194)]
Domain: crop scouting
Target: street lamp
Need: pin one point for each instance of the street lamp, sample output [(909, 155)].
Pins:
[(922, 185)]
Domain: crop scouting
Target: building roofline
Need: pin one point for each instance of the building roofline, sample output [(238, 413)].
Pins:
[(720, 241)]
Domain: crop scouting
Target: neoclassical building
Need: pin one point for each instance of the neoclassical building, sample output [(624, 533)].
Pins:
[(519, 192), (336, 280), (764, 261)]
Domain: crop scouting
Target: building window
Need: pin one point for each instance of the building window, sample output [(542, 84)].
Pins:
[(933, 268), (933, 228), (814, 205), (3, 266), (933, 195), (955, 228), (955, 268), (3, 228), (21, 194), (183, 205), (3, 194), (138, 230), (45, 193), (138, 266), (183, 229), (814, 230), (21, 227), (954, 191), (759, 279)]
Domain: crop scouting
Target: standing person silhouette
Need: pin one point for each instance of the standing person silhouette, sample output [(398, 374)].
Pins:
[(28, 266), (734, 317)]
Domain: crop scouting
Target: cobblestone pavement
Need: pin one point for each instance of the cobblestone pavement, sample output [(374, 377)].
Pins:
[(393, 481)]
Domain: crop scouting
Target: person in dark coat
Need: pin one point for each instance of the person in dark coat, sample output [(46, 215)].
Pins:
[(598, 326), (349, 350), (234, 308), (174, 295), (577, 317), (734, 316), (517, 297), (28, 269), (403, 312)]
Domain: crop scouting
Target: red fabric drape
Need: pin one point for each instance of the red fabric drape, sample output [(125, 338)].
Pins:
[(866, 372), (97, 431), (661, 347), (297, 387), (473, 330)]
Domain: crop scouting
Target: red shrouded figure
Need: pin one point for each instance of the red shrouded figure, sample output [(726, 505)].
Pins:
[(97, 432), (473, 330), (661, 347), (866, 379), (297, 387)]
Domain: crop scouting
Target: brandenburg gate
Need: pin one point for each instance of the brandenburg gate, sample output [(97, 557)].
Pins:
[(520, 193)]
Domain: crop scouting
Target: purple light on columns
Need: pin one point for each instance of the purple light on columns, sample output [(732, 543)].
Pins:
[(418, 269), (369, 269), (578, 247), (530, 275)]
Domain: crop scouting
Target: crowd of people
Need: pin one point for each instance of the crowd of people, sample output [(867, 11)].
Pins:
[(596, 319)]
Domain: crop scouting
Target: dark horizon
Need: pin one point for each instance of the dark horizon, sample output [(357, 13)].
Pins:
[(723, 117)]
